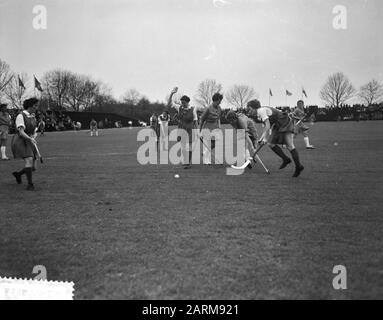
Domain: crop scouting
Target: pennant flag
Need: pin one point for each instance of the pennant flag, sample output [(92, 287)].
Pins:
[(288, 93), (21, 84), (270, 93), (38, 85), (304, 92)]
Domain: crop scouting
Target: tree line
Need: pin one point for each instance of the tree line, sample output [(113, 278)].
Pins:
[(67, 90)]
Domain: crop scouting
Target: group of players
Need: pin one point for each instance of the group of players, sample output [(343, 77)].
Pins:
[(279, 129)]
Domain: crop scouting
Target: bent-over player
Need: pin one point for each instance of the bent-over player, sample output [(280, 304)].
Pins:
[(278, 130)]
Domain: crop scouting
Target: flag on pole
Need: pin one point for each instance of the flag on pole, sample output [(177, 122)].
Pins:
[(270, 93), (304, 92), (38, 85), (288, 93), (21, 84)]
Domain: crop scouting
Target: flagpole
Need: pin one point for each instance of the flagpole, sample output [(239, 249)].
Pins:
[(286, 98)]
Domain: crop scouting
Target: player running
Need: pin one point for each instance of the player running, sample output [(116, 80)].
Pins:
[(41, 127), (241, 121), (24, 143), (5, 122), (93, 128), (211, 120), (278, 130), (187, 121), (299, 116)]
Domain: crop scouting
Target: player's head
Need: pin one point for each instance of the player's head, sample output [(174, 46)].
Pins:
[(185, 100), (254, 104), (300, 104), (30, 104), (217, 99), (231, 117)]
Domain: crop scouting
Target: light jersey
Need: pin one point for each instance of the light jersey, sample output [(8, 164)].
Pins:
[(29, 127), (264, 113)]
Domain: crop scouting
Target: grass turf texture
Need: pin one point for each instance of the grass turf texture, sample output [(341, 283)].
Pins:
[(121, 230)]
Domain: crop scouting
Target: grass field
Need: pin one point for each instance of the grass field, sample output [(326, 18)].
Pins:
[(121, 230)]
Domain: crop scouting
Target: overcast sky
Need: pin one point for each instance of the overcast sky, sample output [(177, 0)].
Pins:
[(154, 45)]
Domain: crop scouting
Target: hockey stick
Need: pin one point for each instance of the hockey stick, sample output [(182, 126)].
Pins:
[(262, 164), (244, 166), (38, 152)]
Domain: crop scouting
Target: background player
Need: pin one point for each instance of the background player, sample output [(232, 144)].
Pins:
[(163, 121), (5, 122), (93, 128), (299, 116)]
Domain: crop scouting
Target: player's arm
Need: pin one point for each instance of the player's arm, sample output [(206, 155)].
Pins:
[(171, 104), (24, 135), (266, 132)]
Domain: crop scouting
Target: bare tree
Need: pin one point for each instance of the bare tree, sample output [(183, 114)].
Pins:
[(371, 92), (337, 90), (91, 92), (6, 76), (56, 83), (205, 92), (240, 95), (131, 96), (75, 91), (16, 93)]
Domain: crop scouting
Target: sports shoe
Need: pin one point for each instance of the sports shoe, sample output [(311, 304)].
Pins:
[(5, 159), (310, 148), (18, 177), (30, 187), (187, 166), (285, 163), (298, 171)]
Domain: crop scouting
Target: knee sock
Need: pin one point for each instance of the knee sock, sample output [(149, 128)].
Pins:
[(28, 172), (307, 141), (3, 155), (22, 171), (280, 153), (295, 155)]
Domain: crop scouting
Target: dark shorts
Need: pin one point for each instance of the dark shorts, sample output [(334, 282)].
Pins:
[(284, 127), (22, 148)]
